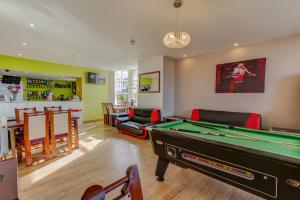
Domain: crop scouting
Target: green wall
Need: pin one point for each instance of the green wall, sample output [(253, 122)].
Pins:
[(92, 94)]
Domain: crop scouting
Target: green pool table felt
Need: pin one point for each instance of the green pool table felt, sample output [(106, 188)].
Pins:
[(253, 144)]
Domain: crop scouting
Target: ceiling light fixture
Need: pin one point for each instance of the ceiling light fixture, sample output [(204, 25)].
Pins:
[(24, 43), (31, 25), (20, 54), (184, 55), (132, 41), (236, 44), (177, 39)]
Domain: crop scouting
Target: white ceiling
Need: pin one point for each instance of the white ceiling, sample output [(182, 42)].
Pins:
[(98, 31)]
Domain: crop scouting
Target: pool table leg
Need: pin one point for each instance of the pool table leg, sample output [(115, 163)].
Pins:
[(161, 168)]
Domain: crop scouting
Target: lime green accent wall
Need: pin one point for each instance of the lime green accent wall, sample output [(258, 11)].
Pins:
[(92, 94)]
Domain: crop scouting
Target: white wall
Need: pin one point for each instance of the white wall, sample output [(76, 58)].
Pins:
[(165, 100), (280, 104), (111, 86), (168, 86), (151, 100)]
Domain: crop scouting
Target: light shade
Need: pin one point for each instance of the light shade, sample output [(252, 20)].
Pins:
[(176, 40)]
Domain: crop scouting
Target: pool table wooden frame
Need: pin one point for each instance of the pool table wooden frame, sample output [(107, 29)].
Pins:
[(274, 176)]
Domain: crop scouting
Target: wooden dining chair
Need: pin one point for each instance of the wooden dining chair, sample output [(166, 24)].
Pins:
[(19, 112), (60, 128), (36, 133), (75, 123), (131, 189), (53, 108), (110, 110), (105, 114)]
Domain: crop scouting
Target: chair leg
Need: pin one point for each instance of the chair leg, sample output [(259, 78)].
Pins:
[(28, 158), (19, 152), (109, 120), (53, 146), (47, 150), (106, 120), (76, 134), (69, 141), (43, 146)]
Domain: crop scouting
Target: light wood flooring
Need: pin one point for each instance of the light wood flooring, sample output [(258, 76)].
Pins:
[(102, 158)]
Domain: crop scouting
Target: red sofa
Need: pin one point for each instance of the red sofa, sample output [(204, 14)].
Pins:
[(247, 120)]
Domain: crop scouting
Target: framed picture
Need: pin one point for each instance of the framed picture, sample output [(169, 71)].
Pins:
[(149, 82), (241, 77)]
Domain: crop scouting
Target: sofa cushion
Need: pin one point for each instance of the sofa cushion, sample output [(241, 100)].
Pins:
[(131, 127), (142, 120), (248, 120), (143, 112)]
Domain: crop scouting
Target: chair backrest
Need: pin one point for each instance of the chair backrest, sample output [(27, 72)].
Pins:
[(104, 108), (110, 108), (19, 112), (60, 122), (131, 189), (36, 125), (53, 108), (247, 120)]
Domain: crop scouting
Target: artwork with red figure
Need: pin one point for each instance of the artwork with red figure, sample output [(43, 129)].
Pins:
[(241, 77)]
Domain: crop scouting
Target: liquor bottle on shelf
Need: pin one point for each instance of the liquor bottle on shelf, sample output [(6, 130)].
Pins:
[(73, 87)]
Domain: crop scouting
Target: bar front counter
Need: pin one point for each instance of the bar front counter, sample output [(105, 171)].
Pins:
[(8, 108)]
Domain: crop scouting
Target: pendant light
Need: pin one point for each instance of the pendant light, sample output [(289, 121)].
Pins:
[(177, 39)]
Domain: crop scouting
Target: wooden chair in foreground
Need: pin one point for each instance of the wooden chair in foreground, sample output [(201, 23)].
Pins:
[(60, 128), (36, 132), (131, 189), (19, 112)]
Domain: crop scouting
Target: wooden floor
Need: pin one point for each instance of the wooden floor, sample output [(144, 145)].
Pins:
[(102, 158)]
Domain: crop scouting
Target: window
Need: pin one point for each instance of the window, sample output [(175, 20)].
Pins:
[(126, 87)]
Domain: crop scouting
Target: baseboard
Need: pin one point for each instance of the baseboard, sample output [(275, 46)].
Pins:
[(92, 121)]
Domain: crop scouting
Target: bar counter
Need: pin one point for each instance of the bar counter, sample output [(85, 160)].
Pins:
[(8, 108)]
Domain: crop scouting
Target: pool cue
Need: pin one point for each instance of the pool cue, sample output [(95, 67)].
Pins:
[(217, 129), (254, 138), (209, 133)]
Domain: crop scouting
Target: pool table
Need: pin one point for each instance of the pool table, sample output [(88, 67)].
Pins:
[(260, 162)]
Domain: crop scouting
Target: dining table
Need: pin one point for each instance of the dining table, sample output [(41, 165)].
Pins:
[(13, 125)]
